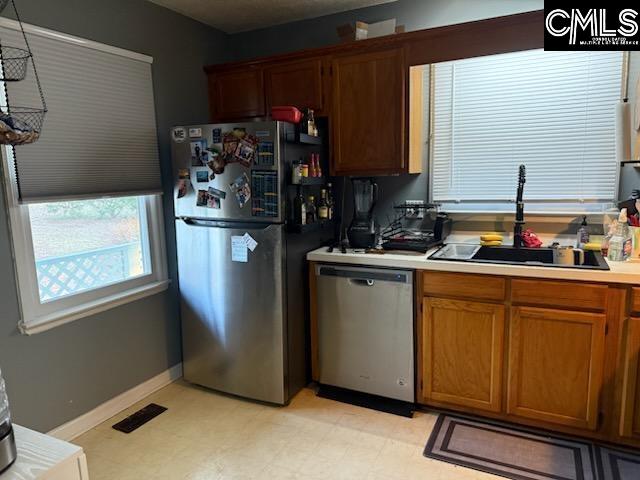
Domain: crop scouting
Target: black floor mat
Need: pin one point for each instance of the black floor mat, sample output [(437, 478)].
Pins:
[(522, 453), (139, 418), (374, 402)]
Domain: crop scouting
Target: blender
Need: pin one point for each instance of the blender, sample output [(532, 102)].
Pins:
[(363, 229), (7, 440)]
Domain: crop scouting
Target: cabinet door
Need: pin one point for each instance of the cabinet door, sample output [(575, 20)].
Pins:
[(630, 415), (463, 353), (368, 114), (297, 83), (555, 365), (236, 94)]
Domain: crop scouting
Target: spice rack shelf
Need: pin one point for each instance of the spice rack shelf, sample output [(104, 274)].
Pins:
[(310, 181), (303, 139), (312, 227)]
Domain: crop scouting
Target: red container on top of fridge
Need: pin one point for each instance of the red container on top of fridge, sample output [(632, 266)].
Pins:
[(286, 114)]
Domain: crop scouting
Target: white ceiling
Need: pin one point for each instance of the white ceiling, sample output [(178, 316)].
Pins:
[(234, 16)]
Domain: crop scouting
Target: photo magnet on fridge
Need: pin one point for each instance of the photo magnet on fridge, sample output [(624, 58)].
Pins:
[(202, 176), (229, 146), (216, 135), (242, 189), (201, 198), (182, 187), (217, 193), (213, 202), (199, 154), (195, 132), (246, 150)]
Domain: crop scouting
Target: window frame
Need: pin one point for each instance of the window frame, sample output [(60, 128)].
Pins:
[(550, 208), (36, 316)]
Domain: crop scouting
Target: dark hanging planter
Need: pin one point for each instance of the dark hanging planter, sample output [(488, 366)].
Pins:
[(19, 124)]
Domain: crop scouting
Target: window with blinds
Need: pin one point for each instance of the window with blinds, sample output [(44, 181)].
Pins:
[(555, 112), (77, 250), (99, 137)]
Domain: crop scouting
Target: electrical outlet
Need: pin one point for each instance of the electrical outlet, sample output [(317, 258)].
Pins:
[(417, 212)]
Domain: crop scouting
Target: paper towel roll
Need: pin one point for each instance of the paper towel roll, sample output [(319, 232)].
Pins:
[(623, 131)]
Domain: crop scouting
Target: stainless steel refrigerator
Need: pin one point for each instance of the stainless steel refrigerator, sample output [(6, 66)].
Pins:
[(241, 275)]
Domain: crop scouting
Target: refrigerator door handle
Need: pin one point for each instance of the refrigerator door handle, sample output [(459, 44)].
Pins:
[(195, 222)]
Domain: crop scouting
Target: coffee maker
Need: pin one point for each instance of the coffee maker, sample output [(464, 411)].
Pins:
[(363, 229), (7, 440)]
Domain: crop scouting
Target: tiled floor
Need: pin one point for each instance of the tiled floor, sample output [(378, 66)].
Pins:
[(205, 435)]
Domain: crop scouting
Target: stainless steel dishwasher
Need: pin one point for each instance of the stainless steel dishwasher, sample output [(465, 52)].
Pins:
[(365, 330)]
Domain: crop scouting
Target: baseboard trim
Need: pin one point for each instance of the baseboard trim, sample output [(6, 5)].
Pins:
[(76, 427)]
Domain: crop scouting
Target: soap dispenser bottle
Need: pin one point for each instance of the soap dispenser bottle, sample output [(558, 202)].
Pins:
[(583, 233), (619, 244)]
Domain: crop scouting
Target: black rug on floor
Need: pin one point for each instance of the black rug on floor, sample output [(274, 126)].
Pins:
[(525, 454), (366, 400), (617, 465), (139, 418)]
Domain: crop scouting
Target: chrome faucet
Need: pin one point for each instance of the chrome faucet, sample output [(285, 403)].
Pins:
[(517, 229)]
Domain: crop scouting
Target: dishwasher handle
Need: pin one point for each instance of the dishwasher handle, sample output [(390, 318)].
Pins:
[(365, 276), (362, 282)]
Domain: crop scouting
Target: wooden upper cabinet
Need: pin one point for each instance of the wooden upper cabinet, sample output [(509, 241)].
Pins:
[(236, 94), (368, 113), (462, 353), (630, 407), (556, 360), (295, 83)]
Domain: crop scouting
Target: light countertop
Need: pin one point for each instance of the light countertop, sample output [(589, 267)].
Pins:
[(42, 456), (621, 272)]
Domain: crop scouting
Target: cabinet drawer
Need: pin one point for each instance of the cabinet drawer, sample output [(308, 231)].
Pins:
[(580, 296), (635, 300), (460, 285)]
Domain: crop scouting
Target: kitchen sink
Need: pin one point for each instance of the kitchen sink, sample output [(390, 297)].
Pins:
[(540, 257)]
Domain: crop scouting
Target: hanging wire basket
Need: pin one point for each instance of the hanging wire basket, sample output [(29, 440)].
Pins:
[(19, 124), (14, 63)]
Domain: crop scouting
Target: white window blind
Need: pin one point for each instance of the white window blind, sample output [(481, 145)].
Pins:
[(552, 111), (99, 137)]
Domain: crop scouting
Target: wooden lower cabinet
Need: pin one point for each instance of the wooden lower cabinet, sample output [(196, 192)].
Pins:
[(511, 349), (555, 365), (462, 353), (635, 300), (630, 407)]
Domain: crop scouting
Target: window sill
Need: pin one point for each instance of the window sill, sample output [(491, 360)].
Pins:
[(42, 324)]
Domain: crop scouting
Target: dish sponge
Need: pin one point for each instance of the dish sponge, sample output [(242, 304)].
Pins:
[(490, 243), (491, 239)]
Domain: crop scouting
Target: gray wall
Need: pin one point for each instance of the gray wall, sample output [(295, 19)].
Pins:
[(413, 14), (58, 375)]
